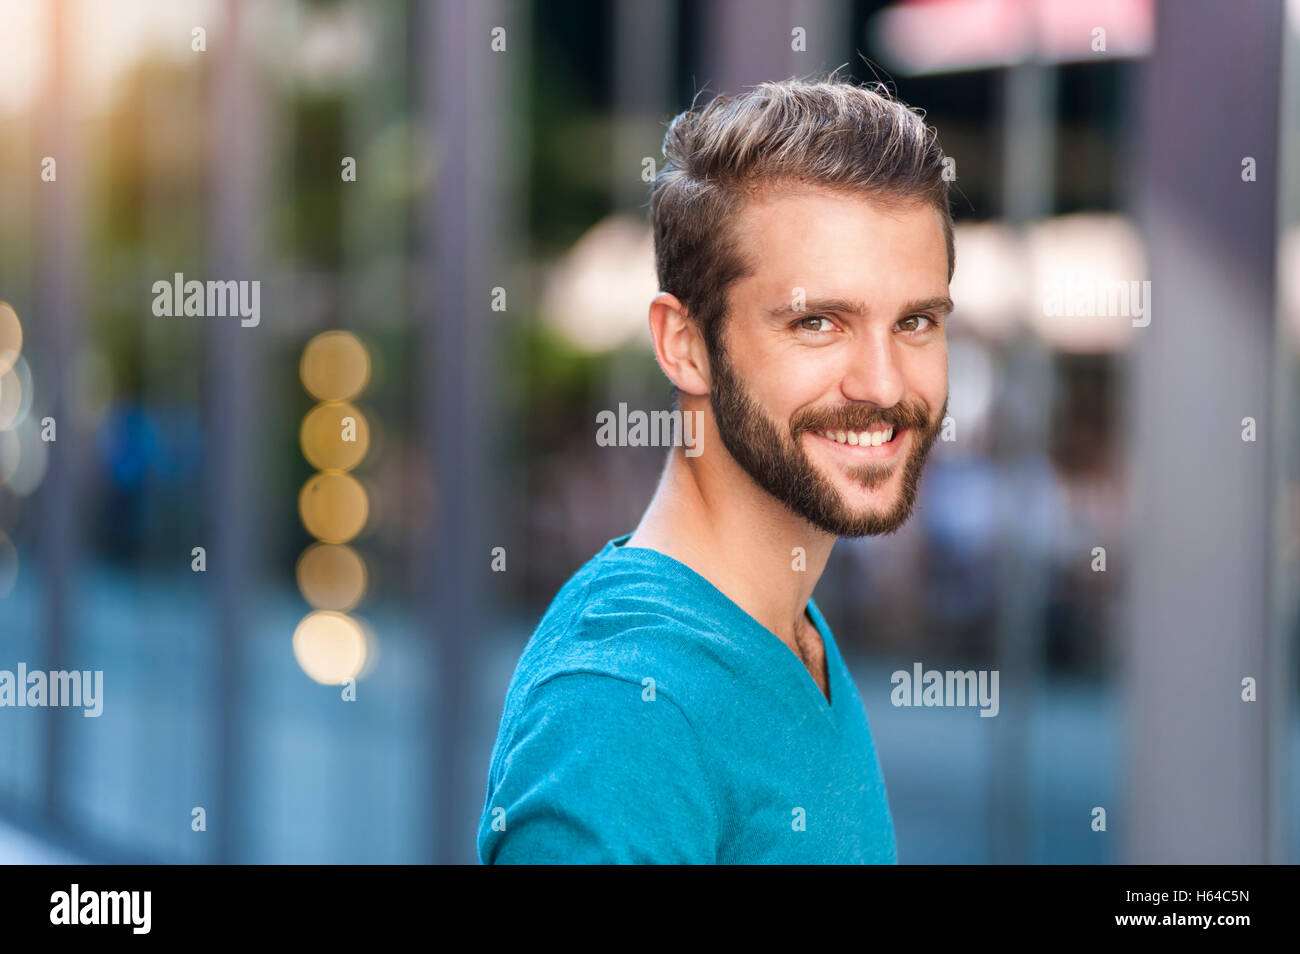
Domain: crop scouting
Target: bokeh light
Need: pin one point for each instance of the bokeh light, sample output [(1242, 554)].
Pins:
[(335, 366), (331, 576), (11, 336), (15, 393), (322, 436), (333, 507), (330, 647), (598, 295)]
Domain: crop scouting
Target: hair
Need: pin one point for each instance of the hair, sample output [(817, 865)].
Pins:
[(830, 133)]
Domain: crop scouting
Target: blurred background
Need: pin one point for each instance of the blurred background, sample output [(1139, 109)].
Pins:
[(445, 205)]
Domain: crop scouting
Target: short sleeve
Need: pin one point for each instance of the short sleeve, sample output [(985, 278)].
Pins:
[(597, 774)]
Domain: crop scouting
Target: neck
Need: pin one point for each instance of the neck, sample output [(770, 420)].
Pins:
[(710, 515)]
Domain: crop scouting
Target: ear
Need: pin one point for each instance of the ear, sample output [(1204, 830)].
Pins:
[(679, 347)]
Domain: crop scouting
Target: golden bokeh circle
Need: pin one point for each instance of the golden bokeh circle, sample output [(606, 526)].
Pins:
[(331, 576), (330, 647), (333, 507), (335, 366), (323, 434), (11, 336)]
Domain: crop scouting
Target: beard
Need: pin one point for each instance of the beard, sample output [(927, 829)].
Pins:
[(775, 459)]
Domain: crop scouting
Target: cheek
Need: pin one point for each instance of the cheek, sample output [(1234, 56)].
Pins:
[(788, 381), (927, 375)]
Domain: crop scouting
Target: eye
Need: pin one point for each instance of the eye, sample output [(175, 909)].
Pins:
[(803, 324), (912, 323)]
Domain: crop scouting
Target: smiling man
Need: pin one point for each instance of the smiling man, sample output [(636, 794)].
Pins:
[(683, 699)]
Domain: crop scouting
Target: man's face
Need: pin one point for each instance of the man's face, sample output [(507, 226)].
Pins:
[(839, 333)]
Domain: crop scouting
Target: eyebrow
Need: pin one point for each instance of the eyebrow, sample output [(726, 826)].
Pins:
[(940, 303)]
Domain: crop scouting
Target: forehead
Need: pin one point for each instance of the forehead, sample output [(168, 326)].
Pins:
[(841, 244)]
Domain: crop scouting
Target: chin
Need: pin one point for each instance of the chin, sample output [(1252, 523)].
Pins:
[(864, 513), (860, 500)]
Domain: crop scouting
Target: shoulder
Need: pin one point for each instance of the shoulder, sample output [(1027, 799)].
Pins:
[(633, 626), (600, 751)]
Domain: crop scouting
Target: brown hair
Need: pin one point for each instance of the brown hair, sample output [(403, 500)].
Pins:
[(830, 133)]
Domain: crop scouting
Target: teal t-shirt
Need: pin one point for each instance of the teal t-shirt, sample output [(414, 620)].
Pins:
[(652, 720)]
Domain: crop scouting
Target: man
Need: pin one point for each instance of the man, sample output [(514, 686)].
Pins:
[(683, 699)]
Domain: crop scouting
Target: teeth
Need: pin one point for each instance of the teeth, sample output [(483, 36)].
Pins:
[(860, 438)]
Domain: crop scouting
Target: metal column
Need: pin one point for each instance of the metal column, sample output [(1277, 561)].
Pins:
[(230, 384), (1199, 615), (464, 109)]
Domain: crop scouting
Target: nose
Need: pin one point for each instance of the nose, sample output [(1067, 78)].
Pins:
[(874, 374)]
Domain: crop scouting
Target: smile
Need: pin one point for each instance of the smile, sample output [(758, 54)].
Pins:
[(880, 444)]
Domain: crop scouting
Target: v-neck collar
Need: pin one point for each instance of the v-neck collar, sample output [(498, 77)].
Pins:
[(756, 633)]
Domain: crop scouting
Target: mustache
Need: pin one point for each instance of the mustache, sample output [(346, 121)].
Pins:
[(901, 416)]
